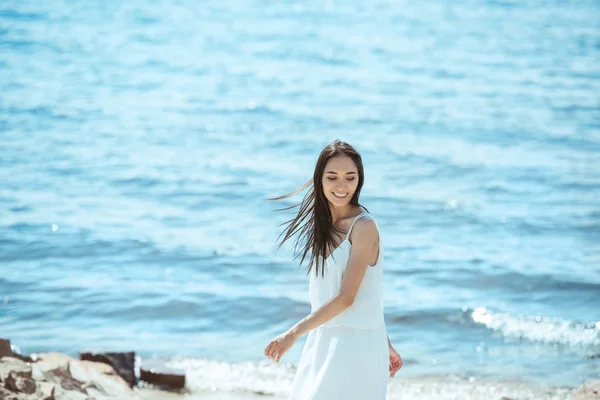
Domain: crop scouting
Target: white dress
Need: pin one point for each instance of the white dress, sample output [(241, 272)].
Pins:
[(346, 358)]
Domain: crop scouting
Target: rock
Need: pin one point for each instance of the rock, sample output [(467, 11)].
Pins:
[(157, 373), (46, 390), (5, 349), (588, 391), (101, 378), (95, 379), (16, 376), (23, 358), (19, 384), (62, 376), (6, 394), (57, 376), (17, 381), (123, 363)]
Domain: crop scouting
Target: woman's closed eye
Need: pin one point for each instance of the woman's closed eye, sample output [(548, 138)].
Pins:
[(333, 179)]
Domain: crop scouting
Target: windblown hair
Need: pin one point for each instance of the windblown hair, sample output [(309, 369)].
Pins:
[(314, 221)]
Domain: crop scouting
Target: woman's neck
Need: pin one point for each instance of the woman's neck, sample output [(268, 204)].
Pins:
[(338, 213)]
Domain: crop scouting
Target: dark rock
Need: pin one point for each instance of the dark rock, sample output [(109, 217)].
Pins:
[(157, 373), (19, 384), (5, 349), (123, 363)]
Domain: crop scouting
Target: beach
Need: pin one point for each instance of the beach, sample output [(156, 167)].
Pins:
[(422, 388), (139, 144), (61, 377)]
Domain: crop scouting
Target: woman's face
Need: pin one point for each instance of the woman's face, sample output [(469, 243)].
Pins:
[(340, 180)]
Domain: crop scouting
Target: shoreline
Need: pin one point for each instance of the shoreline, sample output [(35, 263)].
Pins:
[(57, 376), (425, 387)]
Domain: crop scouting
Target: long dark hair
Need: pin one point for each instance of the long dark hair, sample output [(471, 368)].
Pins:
[(314, 220)]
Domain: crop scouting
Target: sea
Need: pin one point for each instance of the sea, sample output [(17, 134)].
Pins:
[(140, 142)]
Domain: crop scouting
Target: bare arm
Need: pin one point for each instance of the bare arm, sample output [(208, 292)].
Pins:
[(327, 311), (282, 343), (365, 238)]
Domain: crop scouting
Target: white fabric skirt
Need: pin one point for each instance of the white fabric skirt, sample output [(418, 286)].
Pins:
[(341, 363)]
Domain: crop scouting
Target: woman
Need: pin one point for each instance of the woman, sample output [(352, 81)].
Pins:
[(347, 354)]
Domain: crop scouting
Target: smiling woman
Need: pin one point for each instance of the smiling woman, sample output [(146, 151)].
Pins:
[(341, 177), (347, 354), (339, 169)]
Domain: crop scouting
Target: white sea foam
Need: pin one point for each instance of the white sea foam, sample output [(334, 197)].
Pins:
[(267, 378), (535, 328)]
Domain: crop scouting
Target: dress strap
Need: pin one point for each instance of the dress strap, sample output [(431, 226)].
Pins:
[(357, 217)]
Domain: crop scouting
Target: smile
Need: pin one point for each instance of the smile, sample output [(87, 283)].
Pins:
[(339, 196)]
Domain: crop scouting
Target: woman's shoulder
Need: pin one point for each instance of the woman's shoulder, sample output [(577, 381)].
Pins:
[(366, 222), (366, 214), (365, 227)]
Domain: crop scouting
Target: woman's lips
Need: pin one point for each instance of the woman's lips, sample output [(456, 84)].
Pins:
[(340, 197)]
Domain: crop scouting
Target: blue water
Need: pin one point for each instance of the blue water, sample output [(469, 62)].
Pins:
[(140, 139)]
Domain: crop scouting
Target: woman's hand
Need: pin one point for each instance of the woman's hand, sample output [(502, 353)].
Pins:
[(395, 361), (280, 345)]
